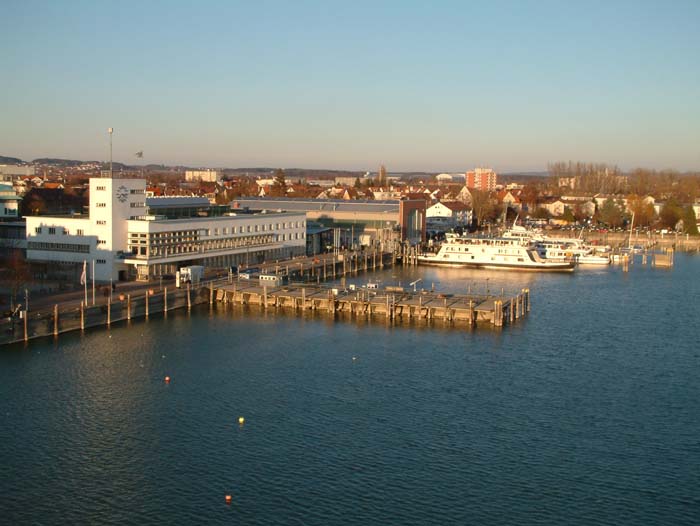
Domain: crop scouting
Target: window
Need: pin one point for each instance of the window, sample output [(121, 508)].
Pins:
[(101, 222), (58, 247), (136, 205), (225, 230), (101, 242), (137, 191), (216, 231), (10, 212), (100, 188), (52, 230), (80, 232), (37, 230), (101, 261), (101, 205)]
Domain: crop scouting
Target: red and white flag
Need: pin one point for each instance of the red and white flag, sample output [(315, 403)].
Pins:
[(83, 276)]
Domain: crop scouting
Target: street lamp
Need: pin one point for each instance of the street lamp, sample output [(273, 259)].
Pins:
[(110, 131)]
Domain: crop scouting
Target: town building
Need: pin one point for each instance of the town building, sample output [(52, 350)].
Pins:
[(448, 214), (9, 203), (8, 172), (482, 179), (205, 176), (131, 236), (363, 221)]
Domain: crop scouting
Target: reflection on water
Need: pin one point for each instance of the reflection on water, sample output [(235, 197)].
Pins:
[(585, 412)]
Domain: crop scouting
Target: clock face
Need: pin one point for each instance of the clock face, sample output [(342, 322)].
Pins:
[(122, 193)]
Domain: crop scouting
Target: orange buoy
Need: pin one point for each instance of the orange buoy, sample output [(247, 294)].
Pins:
[(167, 379), (228, 499)]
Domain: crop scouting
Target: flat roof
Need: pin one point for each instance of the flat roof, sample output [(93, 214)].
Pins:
[(308, 205), (166, 202)]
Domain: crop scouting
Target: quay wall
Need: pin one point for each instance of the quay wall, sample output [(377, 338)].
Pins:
[(67, 318)]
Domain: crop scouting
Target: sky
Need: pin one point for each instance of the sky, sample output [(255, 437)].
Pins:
[(414, 85)]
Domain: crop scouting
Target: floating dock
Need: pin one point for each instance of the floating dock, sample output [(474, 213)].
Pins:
[(391, 303)]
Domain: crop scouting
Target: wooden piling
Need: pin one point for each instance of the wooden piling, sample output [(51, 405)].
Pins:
[(26, 332), (128, 306), (109, 312), (146, 300), (55, 320), (165, 300), (189, 300), (82, 316)]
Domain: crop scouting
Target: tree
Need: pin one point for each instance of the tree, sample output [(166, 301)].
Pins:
[(279, 186), (568, 215), (482, 206), (670, 214), (689, 221), (610, 214), (541, 213), (643, 212), (358, 184), (382, 176)]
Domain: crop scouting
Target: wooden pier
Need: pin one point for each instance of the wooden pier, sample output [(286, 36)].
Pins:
[(390, 303)]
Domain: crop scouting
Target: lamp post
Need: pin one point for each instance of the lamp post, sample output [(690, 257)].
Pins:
[(110, 131)]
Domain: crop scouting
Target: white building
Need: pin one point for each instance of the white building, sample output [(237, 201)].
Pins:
[(9, 203), (128, 235), (448, 214), (206, 176)]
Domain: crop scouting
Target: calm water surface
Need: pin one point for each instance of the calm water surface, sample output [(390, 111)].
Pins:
[(587, 412)]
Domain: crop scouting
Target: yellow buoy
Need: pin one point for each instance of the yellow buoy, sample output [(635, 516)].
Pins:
[(241, 420)]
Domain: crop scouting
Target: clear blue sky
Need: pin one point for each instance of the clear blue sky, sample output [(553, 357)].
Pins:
[(413, 85)]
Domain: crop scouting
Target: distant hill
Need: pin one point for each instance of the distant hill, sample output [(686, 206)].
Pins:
[(59, 162), (10, 160)]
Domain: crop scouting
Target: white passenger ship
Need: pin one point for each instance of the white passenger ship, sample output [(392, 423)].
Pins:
[(493, 253), (560, 248)]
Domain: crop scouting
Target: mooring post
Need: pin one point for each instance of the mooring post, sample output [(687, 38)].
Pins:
[(472, 318), (55, 320), (165, 299), (189, 300), (109, 312), (303, 298), (264, 296), (128, 306), (26, 332), (211, 294), (146, 300), (82, 316), (527, 300)]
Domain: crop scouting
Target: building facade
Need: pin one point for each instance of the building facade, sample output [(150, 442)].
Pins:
[(205, 176), (482, 179), (129, 236)]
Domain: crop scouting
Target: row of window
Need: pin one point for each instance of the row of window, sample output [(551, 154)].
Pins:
[(63, 231), (58, 247)]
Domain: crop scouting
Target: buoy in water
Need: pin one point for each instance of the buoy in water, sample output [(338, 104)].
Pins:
[(228, 499), (241, 420), (167, 379), (354, 358)]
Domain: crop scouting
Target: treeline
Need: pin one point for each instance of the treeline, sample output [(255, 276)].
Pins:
[(601, 178)]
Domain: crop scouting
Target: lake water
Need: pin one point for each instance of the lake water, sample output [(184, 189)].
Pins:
[(586, 412)]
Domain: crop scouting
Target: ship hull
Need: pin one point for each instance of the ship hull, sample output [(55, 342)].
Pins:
[(550, 267)]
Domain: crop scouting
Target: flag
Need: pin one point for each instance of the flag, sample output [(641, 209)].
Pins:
[(139, 154), (83, 276)]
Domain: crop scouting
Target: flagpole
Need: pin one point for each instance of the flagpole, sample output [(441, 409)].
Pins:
[(85, 279), (93, 281)]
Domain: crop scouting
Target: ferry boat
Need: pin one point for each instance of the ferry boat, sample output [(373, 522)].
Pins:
[(560, 248), (493, 253)]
